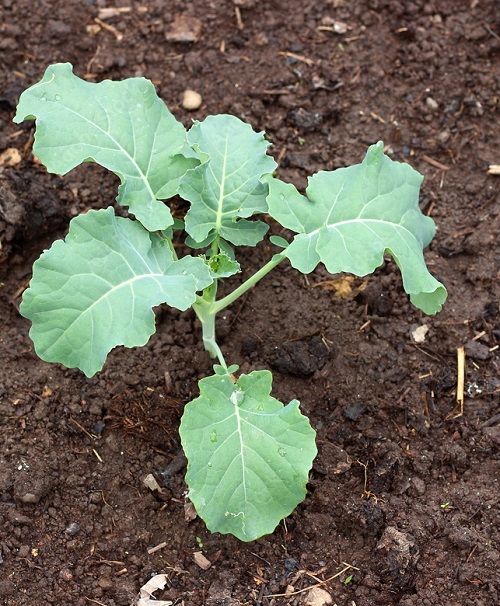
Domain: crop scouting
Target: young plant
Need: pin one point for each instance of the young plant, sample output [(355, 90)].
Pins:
[(248, 455)]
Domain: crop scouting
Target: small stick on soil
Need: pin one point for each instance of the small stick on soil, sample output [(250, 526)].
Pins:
[(281, 155), (109, 13), (297, 57), (118, 35), (81, 428), (239, 21), (461, 376), (98, 456), (471, 553), (365, 325), (282, 595), (157, 548), (435, 163), (458, 411)]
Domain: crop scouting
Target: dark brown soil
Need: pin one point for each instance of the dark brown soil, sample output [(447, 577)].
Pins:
[(404, 494)]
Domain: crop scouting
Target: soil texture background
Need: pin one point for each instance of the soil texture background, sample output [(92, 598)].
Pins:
[(403, 504)]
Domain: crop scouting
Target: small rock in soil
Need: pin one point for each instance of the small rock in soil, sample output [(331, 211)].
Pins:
[(301, 358), (305, 121), (399, 560), (191, 100), (106, 583), (317, 597), (185, 29), (17, 519), (66, 575), (377, 299), (477, 351), (31, 486), (354, 412), (432, 104), (419, 486), (72, 529)]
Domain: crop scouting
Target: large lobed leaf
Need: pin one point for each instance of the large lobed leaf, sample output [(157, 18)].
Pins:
[(352, 216), (248, 455), (124, 126), (229, 184), (96, 289)]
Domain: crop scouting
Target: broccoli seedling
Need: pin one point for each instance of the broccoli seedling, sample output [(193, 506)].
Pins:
[(249, 456)]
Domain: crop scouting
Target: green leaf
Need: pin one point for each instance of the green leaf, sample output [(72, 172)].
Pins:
[(221, 266), (96, 289), (124, 126), (352, 216), (229, 184), (248, 455), (279, 241)]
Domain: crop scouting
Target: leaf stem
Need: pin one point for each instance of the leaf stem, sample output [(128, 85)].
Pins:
[(252, 281), (202, 308), (206, 307)]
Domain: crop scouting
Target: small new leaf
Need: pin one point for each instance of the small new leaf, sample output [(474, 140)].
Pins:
[(248, 455), (229, 184), (124, 126), (221, 266), (352, 216), (96, 289)]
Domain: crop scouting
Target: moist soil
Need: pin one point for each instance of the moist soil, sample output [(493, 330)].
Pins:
[(403, 499)]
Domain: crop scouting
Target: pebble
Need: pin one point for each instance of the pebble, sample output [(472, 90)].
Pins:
[(105, 583), (191, 100), (477, 350), (304, 120), (72, 529), (185, 29), (318, 597), (66, 575), (354, 412), (419, 486), (432, 104)]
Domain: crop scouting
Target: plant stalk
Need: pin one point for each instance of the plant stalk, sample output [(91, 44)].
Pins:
[(252, 281), (206, 307)]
